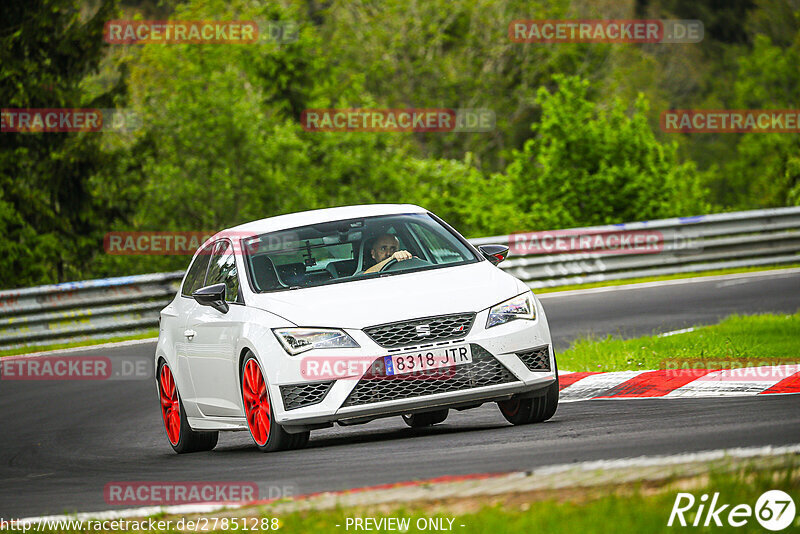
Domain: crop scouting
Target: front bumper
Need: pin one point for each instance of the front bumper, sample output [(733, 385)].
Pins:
[(501, 344), (458, 399)]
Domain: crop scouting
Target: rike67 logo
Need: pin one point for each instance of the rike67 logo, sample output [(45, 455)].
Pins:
[(774, 510)]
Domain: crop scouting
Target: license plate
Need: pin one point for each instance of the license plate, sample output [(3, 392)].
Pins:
[(424, 360)]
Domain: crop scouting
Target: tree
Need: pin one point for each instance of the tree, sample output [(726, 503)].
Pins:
[(49, 219), (766, 171), (589, 164)]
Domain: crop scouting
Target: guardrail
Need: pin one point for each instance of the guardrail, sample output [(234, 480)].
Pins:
[(92, 309), (684, 245), (96, 309)]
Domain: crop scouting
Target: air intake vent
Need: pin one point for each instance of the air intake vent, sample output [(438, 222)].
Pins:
[(537, 359), (425, 330), (302, 395), (375, 386)]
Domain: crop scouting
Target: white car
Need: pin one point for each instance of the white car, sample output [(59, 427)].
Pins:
[(344, 315)]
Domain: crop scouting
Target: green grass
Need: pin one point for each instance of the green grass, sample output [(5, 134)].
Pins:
[(86, 343), (751, 340), (680, 276), (624, 509), (638, 507)]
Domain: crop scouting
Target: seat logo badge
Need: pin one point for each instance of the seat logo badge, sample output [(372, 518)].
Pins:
[(423, 330)]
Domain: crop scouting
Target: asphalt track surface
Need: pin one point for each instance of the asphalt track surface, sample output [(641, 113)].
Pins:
[(61, 442)]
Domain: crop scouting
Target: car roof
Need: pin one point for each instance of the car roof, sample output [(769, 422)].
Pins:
[(303, 218)]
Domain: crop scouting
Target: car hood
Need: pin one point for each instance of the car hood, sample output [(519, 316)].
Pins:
[(399, 297)]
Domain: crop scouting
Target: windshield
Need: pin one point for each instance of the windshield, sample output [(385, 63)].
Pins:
[(351, 249)]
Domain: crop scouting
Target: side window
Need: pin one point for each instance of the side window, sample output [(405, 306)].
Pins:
[(197, 272), (222, 270), (438, 245)]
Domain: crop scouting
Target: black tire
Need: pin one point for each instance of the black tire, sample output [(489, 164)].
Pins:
[(277, 438), (299, 440), (535, 410), (189, 440), (419, 420)]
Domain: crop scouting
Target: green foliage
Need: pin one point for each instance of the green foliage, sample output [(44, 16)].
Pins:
[(766, 171), (230, 149), (737, 341), (455, 54), (590, 165), (576, 140), (49, 219)]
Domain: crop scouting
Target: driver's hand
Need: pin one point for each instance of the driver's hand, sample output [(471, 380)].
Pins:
[(401, 255)]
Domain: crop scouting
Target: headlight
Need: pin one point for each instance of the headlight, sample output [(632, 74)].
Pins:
[(297, 340), (519, 307)]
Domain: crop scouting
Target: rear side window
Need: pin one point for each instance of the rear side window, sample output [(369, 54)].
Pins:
[(197, 272), (223, 271)]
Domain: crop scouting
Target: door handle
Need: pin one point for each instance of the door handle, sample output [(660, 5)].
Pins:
[(189, 334)]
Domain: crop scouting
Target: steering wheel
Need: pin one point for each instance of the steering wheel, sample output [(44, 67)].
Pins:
[(387, 265), (409, 263)]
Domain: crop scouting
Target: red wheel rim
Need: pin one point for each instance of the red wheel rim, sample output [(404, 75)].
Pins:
[(510, 408), (170, 406), (256, 402)]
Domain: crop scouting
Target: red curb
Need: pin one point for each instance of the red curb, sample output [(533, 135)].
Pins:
[(790, 384), (571, 378), (655, 383)]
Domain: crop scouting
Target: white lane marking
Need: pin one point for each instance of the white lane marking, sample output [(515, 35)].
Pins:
[(675, 332), (129, 343), (672, 459), (735, 382), (375, 495), (718, 389), (646, 285), (744, 281), (594, 385)]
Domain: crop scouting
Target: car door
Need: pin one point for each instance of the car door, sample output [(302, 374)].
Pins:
[(177, 316), (212, 339)]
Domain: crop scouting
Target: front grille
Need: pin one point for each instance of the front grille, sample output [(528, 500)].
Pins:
[(537, 359), (302, 395), (375, 386), (430, 329)]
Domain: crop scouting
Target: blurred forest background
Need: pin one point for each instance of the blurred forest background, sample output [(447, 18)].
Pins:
[(577, 140)]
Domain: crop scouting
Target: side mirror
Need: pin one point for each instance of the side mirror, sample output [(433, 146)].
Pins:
[(494, 253), (213, 296)]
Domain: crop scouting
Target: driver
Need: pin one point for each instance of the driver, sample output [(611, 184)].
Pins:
[(385, 249)]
